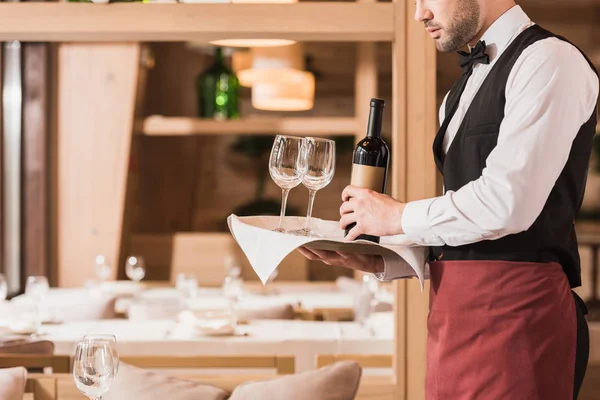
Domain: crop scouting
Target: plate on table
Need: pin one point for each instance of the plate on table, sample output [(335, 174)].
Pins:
[(227, 330)]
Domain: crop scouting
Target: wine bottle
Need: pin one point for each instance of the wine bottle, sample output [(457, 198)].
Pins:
[(218, 91), (371, 159)]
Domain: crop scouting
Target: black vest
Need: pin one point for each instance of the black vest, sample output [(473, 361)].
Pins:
[(552, 235)]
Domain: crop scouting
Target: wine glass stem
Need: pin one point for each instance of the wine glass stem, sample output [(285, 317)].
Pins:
[(284, 197), (311, 200)]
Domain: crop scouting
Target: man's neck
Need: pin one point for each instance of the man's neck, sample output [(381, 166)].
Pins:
[(494, 11)]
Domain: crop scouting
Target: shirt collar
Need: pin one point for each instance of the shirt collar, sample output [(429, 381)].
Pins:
[(501, 33)]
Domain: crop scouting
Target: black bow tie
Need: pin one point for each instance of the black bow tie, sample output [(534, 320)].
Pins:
[(477, 55)]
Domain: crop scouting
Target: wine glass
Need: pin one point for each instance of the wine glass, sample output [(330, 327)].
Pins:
[(286, 168), (135, 268), (112, 342), (102, 268), (3, 288), (319, 157), (37, 288), (187, 285), (93, 368)]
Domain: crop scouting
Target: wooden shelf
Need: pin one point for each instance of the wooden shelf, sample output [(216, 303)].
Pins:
[(304, 126), (322, 21)]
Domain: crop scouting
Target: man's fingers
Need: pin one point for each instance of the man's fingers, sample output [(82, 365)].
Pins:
[(351, 191), (347, 219), (308, 253), (353, 233), (324, 253), (347, 207)]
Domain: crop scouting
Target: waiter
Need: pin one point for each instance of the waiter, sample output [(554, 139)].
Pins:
[(514, 146)]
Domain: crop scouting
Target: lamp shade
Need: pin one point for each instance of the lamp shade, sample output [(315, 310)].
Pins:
[(255, 42), (252, 42), (241, 60), (294, 95), (274, 64)]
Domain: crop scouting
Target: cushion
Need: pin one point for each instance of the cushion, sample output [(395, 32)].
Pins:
[(12, 383), (27, 346), (136, 383), (338, 381)]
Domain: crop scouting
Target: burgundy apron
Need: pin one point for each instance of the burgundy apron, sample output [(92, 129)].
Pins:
[(500, 330)]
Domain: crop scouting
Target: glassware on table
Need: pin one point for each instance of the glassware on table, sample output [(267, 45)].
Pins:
[(319, 159), (187, 285), (3, 288), (112, 342), (93, 368), (135, 268), (286, 167), (102, 268), (269, 283), (37, 288)]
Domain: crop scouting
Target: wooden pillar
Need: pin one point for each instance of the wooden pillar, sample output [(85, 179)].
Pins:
[(96, 94), (415, 124), (35, 160), (365, 88)]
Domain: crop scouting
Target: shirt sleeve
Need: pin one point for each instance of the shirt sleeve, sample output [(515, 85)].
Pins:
[(551, 92)]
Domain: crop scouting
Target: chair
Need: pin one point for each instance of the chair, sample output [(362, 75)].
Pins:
[(282, 364), (371, 387), (365, 360), (27, 346), (41, 388), (59, 364)]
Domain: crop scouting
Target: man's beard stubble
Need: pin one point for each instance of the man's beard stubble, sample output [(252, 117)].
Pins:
[(463, 28)]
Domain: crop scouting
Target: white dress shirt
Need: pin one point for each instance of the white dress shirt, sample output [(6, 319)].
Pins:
[(551, 92)]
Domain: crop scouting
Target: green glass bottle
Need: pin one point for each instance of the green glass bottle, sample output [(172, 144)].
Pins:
[(218, 91)]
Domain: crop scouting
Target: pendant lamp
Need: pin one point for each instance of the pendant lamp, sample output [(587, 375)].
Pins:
[(296, 94), (255, 42), (274, 64)]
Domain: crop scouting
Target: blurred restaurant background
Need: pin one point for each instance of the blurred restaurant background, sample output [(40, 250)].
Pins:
[(121, 161)]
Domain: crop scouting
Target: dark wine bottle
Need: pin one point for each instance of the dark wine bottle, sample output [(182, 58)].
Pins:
[(218, 90), (371, 159)]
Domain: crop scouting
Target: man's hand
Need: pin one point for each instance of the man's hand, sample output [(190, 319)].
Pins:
[(374, 213), (358, 262)]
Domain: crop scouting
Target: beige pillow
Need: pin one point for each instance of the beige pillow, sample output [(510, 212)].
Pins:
[(27, 347), (12, 383), (135, 383), (338, 381)]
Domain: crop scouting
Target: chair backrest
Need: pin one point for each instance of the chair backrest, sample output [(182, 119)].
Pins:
[(62, 386), (365, 360), (59, 364), (27, 346), (282, 364)]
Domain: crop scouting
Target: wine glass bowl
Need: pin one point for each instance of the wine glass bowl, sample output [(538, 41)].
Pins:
[(286, 167), (3, 288), (93, 368), (319, 166), (102, 267), (37, 288), (112, 342), (135, 268)]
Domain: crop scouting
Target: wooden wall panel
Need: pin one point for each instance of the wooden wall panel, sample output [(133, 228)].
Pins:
[(203, 255), (35, 160), (96, 95)]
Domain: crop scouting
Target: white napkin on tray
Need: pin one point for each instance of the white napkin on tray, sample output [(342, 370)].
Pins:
[(265, 248)]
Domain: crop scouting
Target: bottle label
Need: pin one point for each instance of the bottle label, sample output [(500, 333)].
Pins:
[(368, 177)]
